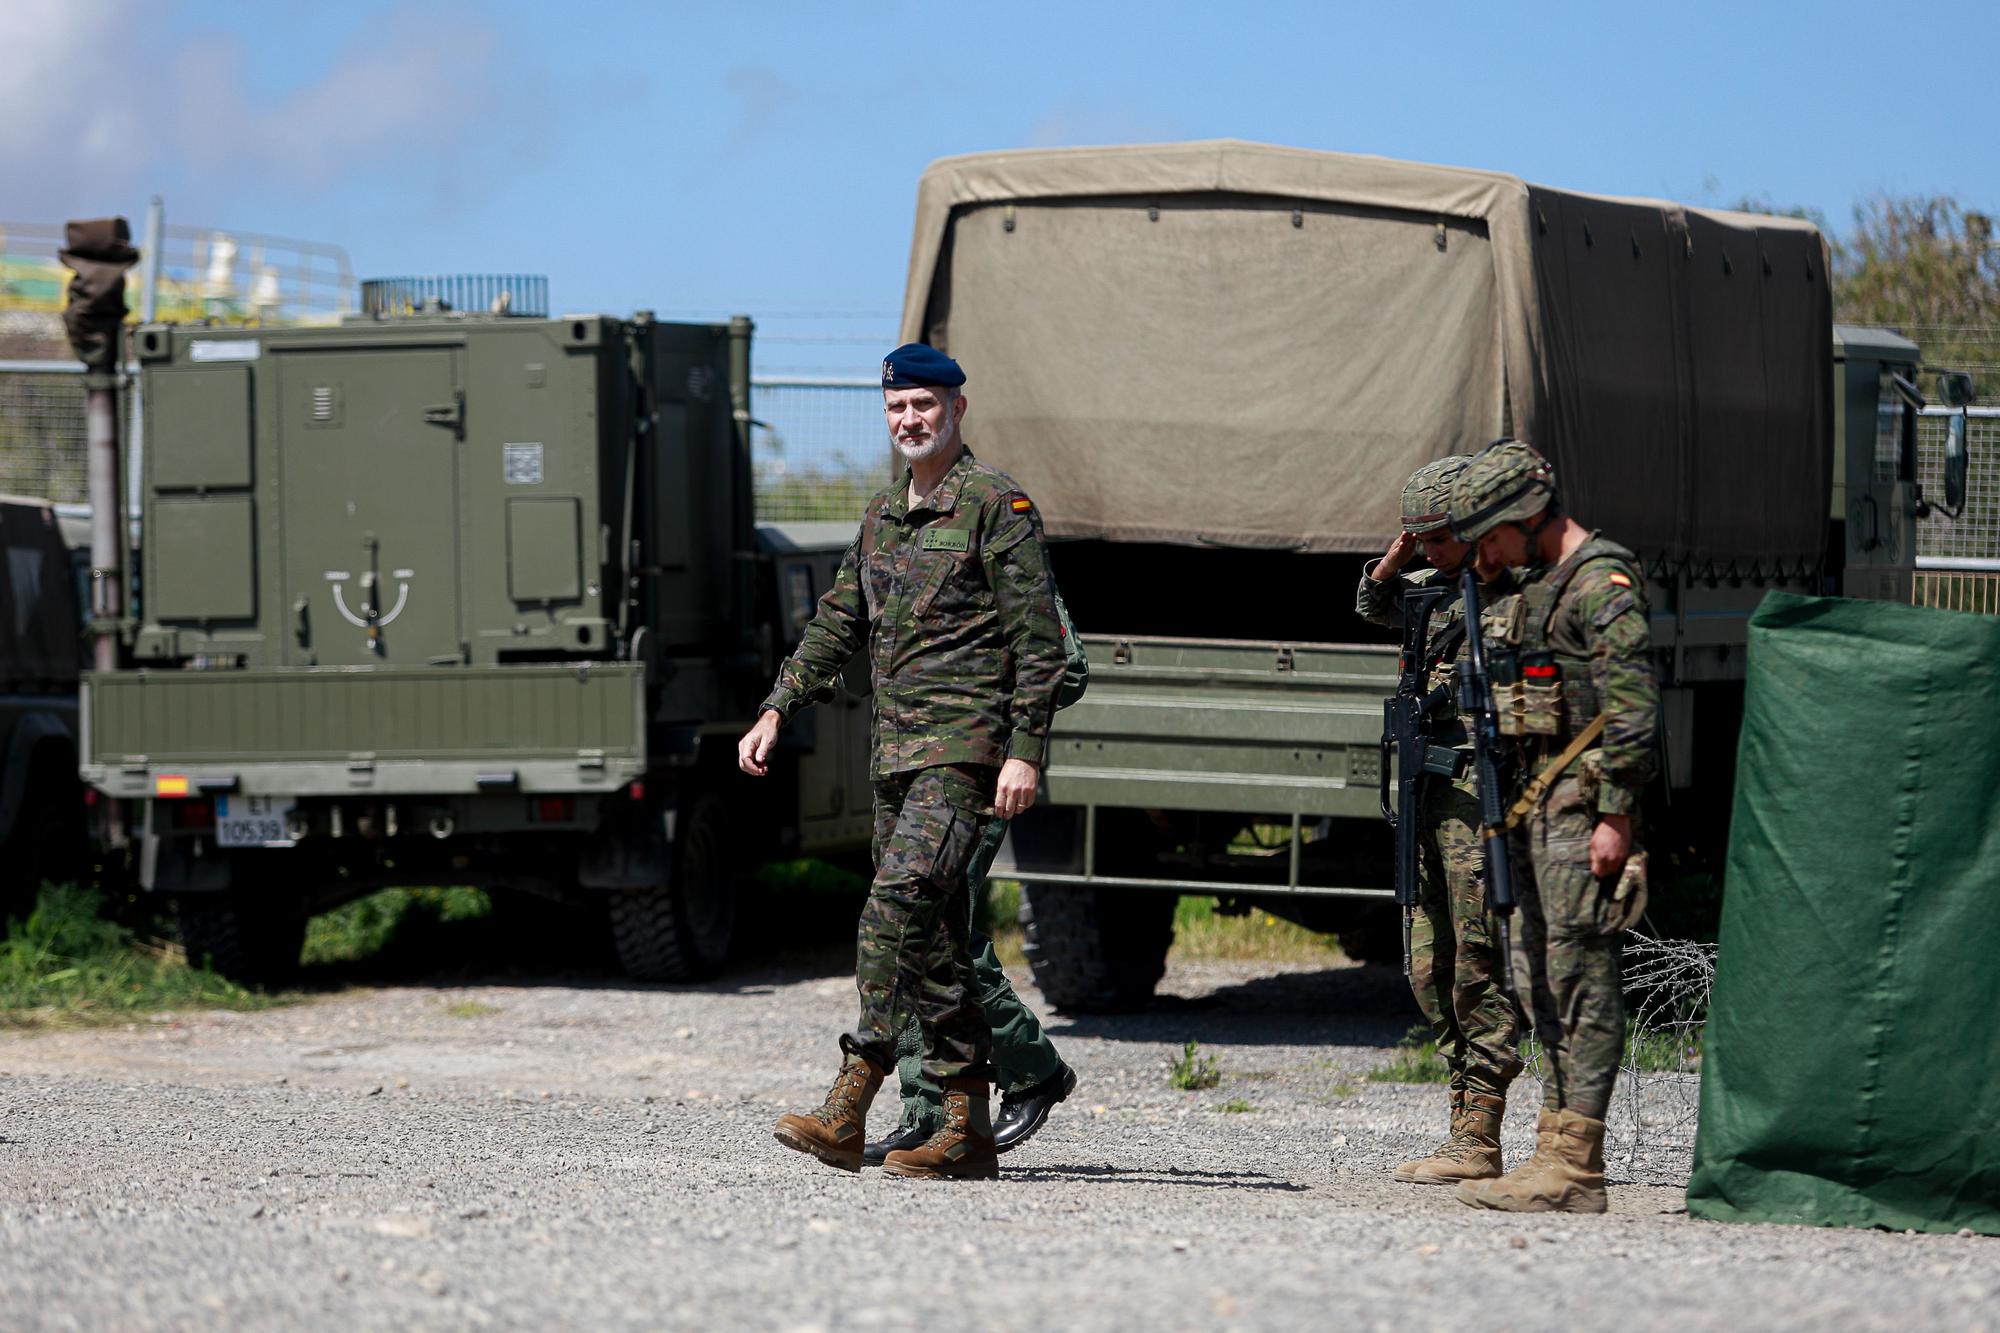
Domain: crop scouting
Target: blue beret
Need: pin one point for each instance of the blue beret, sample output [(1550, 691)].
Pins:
[(916, 365)]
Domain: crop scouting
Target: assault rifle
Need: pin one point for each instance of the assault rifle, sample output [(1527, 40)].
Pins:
[(1406, 738), (1475, 700)]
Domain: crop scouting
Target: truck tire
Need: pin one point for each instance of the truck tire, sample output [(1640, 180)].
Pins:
[(250, 942), (682, 930), (1096, 951)]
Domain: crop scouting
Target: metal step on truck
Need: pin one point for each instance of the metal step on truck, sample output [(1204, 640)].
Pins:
[(1214, 364), (444, 596)]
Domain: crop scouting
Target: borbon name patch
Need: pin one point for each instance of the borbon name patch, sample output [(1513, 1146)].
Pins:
[(947, 539)]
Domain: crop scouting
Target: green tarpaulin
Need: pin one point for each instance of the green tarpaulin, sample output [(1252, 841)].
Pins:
[(1851, 1074)]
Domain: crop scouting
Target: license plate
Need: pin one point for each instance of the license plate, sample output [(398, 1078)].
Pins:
[(252, 821)]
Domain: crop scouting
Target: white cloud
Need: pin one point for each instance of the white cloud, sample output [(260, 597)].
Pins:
[(422, 100)]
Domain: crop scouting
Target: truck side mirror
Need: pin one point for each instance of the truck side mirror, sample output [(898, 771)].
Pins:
[(1954, 388), (1954, 462)]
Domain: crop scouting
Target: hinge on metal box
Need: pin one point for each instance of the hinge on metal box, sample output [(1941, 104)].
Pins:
[(1285, 659), (450, 414), (590, 760), (360, 768)]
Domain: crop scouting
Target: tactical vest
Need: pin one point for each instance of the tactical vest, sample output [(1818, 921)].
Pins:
[(1545, 687)]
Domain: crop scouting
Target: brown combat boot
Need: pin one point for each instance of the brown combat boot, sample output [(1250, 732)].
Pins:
[(838, 1130), (1473, 1150), (963, 1149), (1566, 1174)]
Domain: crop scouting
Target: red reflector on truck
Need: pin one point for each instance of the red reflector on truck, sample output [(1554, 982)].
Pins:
[(554, 809)]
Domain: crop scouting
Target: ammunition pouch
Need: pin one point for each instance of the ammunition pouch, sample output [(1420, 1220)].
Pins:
[(1540, 694)]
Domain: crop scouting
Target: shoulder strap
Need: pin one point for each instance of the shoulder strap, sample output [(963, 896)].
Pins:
[(1076, 666)]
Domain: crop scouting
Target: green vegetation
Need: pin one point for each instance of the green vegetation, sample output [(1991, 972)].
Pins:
[(1192, 1071), (1200, 931), (1415, 1060), (1671, 1050), (810, 493), (1237, 1106), (395, 924), (470, 1009), (68, 963)]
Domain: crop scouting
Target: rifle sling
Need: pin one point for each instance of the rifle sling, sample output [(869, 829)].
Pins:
[(1532, 794)]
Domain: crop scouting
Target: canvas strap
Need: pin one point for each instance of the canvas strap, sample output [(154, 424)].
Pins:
[(1532, 794)]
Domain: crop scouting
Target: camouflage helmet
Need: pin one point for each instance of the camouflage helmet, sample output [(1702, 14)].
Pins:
[(1506, 482), (1425, 493)]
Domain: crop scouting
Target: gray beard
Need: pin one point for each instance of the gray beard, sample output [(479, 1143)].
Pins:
[(917, 453)]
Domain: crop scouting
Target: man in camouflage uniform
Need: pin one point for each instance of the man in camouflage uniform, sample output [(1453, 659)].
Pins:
[(1454, 964), (1581, 722), (947, 587)]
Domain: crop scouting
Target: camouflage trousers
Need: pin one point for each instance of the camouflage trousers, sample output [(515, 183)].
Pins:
[(1023, 1055), (913, 957), (1454, 962), (1566, 953)]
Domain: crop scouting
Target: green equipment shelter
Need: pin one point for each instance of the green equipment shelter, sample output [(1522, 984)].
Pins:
[(1851, 1074)]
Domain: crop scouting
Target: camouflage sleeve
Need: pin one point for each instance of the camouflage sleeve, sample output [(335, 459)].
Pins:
[(1610, 597), (833, 635), (1381, 603), (1017, 569)]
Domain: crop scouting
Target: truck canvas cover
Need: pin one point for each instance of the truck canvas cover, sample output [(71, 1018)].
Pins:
[(1226, 342), (1852, 1063)]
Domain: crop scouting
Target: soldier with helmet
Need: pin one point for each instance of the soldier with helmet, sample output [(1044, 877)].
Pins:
[(1455, 968), (1581, 704)]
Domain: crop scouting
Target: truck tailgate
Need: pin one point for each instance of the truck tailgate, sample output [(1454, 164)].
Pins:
[(342, 730), (1206, 724)]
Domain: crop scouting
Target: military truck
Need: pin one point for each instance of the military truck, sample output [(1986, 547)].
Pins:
[(41, 801), (1213, 364), (437, 597)]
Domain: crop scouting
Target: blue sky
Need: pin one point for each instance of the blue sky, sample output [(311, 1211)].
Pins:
[(699, 159)]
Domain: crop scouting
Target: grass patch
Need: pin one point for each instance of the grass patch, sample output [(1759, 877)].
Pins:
[(1201, 932), (1192, 1071), (378, 929), (68, 963), (470, 1009), (1237, 1106), (1663, 1052), (1415, 1060)]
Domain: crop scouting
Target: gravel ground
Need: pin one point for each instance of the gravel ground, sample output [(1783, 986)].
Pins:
[(526, 1155)]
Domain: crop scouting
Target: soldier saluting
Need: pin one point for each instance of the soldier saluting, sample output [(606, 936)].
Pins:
[(947, 588), (1580, 704), (1454, 961)]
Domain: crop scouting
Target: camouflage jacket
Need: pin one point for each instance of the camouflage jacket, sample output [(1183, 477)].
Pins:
[(955, 605), (1590, 611)]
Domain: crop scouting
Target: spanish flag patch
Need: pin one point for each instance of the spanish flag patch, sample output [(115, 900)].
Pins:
[(1622, 580), (1020, 504)]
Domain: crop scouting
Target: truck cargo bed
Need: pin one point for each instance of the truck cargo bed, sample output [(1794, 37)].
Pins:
[(1213, 724), (308, 731)]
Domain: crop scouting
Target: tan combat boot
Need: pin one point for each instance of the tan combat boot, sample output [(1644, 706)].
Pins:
[(838, 1130), (1566, 1174), (963, 1149), (1473, 1150)]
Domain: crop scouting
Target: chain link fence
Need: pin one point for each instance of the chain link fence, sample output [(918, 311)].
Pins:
[(819, 447), (42, 447)]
